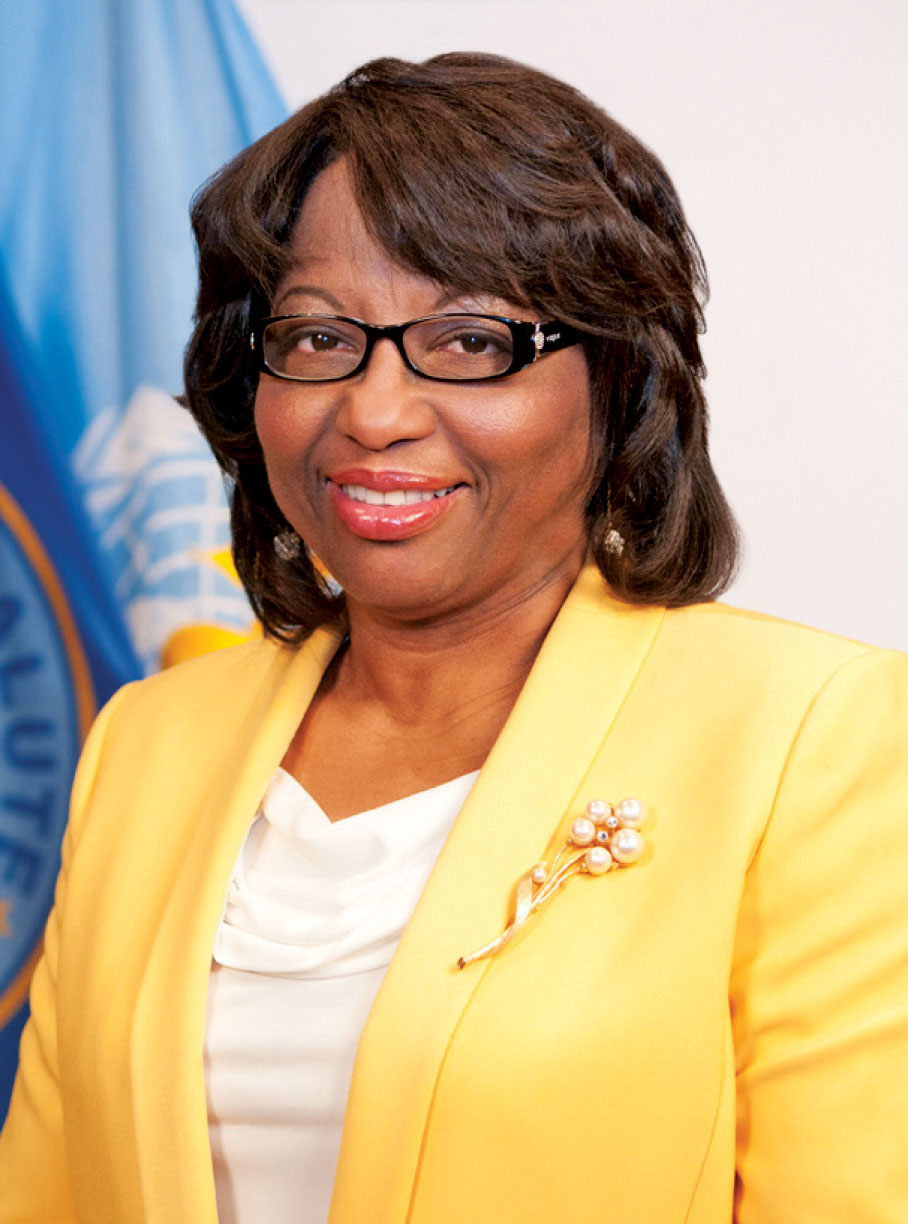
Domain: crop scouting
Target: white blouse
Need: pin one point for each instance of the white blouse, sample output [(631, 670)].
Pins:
[(313, 915)]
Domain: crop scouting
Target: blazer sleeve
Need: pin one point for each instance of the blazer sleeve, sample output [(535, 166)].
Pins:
[(34, 1176), (819, 988)]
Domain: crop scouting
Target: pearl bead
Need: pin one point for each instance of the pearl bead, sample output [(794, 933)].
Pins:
[(630, 812), (583, 831), (627, 845), (540, 874), (597, 860), (598, 810)]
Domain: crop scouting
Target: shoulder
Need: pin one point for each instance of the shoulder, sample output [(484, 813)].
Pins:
[(162, 739), (734, 647), (717, 641), (715, 665), (725, 680), (179, 707), (206, 677), (177, 712), (729, 628)]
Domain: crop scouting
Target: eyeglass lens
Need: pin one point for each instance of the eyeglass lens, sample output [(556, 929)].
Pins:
[(318, 348)]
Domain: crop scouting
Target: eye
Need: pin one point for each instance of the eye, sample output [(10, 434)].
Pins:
[(311, 339), (473, 342), (460, 347), (312, 347)]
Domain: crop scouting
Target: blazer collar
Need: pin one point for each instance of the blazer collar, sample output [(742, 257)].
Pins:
[(518, 808)]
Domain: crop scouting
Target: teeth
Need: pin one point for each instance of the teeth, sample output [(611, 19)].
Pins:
[(393, 497)]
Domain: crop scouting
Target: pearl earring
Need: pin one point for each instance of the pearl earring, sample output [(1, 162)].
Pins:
[(287, 545), (614, 542)]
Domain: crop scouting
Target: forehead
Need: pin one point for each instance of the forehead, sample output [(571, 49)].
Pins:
[(330, 224), (337, 261)]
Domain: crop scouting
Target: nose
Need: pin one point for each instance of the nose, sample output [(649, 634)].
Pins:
[(386, 403)]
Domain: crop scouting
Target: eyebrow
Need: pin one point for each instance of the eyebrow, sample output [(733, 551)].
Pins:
[(310, 291), (467, 299)]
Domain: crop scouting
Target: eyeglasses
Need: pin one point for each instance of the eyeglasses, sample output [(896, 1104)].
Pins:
[(447, 348)]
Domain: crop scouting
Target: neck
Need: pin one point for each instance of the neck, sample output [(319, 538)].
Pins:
[(428, 672)]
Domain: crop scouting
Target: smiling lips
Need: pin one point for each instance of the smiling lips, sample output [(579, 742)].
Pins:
[(388, 505)]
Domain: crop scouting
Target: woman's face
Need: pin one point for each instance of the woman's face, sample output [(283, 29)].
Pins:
[(514, 454)]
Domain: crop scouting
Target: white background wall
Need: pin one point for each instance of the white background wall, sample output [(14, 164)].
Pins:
[(783, 124)]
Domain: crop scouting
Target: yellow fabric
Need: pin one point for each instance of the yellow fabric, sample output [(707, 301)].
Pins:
[(754, 964)]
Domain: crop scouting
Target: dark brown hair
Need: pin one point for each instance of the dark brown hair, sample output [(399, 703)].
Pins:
[(488, 177)]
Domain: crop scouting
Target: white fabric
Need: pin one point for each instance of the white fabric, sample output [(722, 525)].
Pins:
[(313, 915)]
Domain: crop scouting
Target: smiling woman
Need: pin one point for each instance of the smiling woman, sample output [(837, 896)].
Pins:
[(506, 842), (528, 203), (508, 461)]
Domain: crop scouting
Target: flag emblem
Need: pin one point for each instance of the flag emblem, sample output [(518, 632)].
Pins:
[(46, 704)]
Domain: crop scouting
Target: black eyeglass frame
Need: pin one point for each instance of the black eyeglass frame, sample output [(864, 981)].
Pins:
[(531, 341)]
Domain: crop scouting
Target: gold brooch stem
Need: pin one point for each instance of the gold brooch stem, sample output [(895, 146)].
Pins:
[(606, 837), (526, 904), (522, 912)]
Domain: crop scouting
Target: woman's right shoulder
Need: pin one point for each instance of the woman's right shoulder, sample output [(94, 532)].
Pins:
[(183, 721), (205, 676), (190, 701)]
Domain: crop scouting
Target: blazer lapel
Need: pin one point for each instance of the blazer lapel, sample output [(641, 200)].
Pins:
[(519, 808), (171, 1122)]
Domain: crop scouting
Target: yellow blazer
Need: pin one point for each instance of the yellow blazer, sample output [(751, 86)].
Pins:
[(719, 1031)]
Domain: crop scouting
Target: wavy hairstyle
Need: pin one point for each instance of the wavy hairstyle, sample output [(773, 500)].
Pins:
[(488, 177)]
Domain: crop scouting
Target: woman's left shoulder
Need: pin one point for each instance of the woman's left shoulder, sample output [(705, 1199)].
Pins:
[(720, 640)]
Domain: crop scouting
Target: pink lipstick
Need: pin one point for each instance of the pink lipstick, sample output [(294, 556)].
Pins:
[(389, 505)]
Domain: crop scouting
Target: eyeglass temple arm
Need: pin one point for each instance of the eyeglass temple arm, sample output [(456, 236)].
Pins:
[(550, 337)]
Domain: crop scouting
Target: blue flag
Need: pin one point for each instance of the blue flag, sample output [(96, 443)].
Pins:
[(113, 523)]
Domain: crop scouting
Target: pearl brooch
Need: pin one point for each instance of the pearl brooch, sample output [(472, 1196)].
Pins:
[(597, 860), (606, 838), (598, 811), (630, 812), (627, 845), (583, 831)]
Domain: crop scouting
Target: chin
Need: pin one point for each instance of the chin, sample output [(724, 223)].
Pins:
[(409, 588)]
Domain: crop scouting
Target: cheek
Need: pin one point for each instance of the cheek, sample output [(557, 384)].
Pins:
[(273, 424), (287, 425), (287, 428), (566, 418), (545, 438)]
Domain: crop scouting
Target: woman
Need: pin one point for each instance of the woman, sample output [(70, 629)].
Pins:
[(447, 351)]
